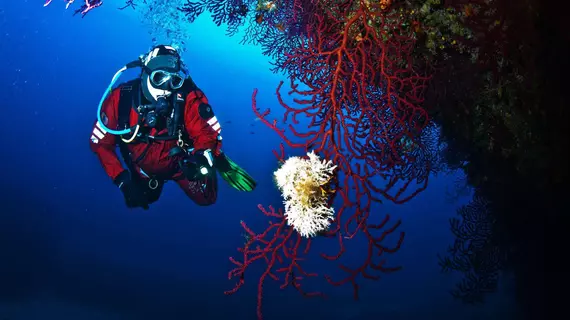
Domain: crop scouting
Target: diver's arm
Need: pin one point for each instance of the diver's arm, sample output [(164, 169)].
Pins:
[(103, 143), (201, 124)]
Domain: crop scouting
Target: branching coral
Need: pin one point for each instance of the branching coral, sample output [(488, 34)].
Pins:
[(85, 6), (281, 248), (474, 252)]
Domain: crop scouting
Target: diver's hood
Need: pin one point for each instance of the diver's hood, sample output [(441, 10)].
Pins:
[(170, 62)]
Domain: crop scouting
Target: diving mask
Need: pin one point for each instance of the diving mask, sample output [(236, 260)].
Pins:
[(166, 80), (163, 73)]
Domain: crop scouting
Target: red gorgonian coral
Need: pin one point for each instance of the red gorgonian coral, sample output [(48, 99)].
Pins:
[(362, 103)]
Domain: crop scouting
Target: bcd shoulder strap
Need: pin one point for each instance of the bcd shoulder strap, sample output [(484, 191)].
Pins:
[(128, 99)]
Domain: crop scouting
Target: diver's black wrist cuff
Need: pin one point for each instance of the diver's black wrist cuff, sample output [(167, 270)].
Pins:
[(122, 178)]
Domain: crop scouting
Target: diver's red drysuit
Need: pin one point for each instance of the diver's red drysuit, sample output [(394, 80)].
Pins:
[(154, 163)]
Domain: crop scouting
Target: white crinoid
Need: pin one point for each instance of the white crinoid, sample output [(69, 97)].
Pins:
[(303, 185)]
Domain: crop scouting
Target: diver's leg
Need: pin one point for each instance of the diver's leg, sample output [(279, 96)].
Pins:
[(203, 192)]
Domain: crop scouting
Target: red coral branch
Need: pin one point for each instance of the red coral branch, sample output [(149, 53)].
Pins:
[(375, 248), (87, 5), (356, 86), (279, 246)]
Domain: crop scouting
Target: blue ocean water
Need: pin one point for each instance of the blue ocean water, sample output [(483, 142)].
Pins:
[(70, 248)]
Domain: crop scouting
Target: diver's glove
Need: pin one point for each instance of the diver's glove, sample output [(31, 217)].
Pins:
[(199, 165), (205, 162), (133, 193)]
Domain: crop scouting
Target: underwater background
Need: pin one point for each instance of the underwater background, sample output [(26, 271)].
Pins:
[(69, 247)]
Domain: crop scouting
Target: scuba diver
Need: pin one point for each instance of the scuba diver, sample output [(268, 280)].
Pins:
[(165, 130)]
